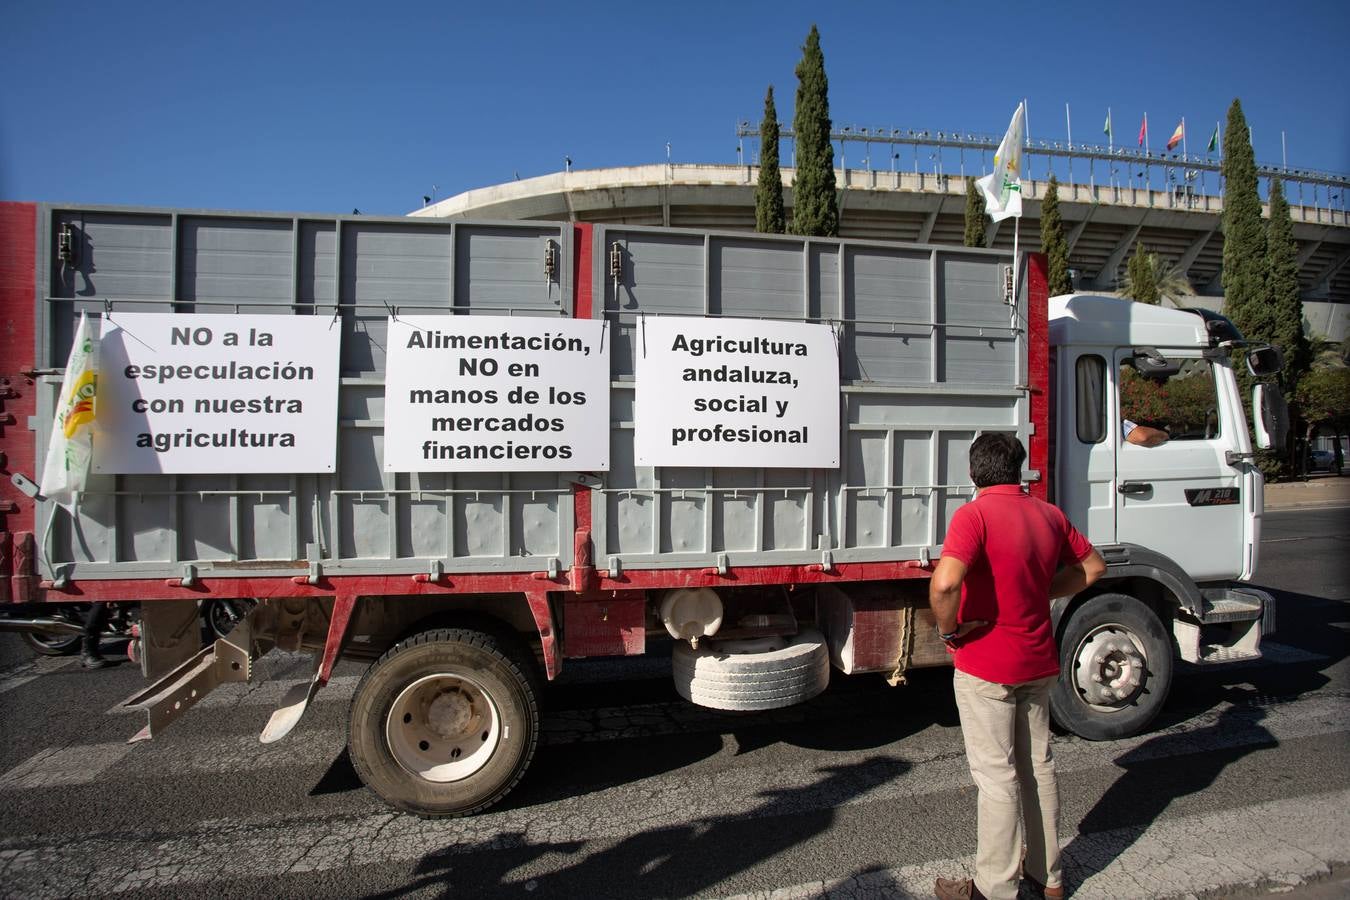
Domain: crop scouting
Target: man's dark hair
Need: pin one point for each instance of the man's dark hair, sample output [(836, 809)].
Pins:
[(996, 458)]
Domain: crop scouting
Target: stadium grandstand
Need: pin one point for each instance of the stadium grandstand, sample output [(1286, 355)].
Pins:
[(1112, 200)]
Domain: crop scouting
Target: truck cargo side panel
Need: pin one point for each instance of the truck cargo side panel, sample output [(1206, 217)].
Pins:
[(357, 272), (928, 358)]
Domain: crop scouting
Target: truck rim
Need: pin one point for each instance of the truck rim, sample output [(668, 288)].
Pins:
[(443, 728), (1109, 667)]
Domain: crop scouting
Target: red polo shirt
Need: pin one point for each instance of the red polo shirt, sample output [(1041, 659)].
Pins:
[(1012, 545)]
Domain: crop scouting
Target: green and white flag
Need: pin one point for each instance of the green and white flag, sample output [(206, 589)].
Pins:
[(1003, 187), (72, 440)]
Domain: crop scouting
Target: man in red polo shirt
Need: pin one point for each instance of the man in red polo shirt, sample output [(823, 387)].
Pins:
[(1006, 554)]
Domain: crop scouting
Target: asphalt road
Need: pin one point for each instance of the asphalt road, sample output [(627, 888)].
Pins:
[(1243, 785)]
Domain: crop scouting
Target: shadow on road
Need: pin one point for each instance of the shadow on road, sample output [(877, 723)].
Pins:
[(1165, 768), (676, 861)]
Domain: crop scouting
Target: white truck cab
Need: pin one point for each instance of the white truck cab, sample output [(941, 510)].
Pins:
[(1177, 517), (1196, 497)]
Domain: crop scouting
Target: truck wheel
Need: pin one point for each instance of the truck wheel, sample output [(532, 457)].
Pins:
[(1115, 660), (755, 674), (222, 614), (445, 723), (58, 644), (51, 644)]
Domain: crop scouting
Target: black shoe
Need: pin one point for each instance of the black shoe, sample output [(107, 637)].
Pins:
[(94, 661)]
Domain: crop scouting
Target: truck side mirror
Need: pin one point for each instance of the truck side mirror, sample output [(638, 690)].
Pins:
[(1270, 416), (1264, 360)]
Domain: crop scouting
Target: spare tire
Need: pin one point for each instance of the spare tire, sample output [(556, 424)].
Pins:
[(767, 673)]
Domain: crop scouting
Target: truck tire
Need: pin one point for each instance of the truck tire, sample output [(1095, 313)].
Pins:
[(58, 644), (1115, 658), (222, 614), (753, 675), (51, 644), (446, 722)]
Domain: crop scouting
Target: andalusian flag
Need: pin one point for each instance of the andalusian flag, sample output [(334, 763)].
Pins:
[(72, 441), (1003, 187), (1106, 129), (1177, 136), (1213, 140)]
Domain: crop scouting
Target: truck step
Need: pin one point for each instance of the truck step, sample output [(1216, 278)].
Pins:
[(1217, 653), (1229, 606)]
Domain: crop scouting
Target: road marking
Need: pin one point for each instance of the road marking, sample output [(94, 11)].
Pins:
[(63, 766), (21, 675), (9, 683)]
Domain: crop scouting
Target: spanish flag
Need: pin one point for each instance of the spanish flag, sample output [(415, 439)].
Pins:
[(1177, 136)]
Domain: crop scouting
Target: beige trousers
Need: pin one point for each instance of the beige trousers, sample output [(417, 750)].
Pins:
[(1007, 733)]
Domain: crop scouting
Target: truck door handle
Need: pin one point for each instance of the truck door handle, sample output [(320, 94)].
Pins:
[(1135, 487)]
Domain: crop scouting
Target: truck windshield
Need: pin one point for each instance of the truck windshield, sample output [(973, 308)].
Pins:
[(1184, 405)]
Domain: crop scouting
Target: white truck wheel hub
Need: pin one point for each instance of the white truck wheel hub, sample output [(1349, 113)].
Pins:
[(443, 728), (1109, 666)]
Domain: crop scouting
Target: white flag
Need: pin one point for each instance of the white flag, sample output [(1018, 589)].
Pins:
[(1003, 187), (72, 440)]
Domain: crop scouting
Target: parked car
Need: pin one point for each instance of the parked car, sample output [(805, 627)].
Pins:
[(1323, 461)]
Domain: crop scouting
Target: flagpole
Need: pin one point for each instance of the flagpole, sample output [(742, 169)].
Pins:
[(1183, 138), (1017, 220), (1216, 128), (1110, 149), (1026, 131), (1068, 124), (1148, 172)]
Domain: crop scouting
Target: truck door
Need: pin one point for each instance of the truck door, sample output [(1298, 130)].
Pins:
[(1178, 496), (1085, 455)]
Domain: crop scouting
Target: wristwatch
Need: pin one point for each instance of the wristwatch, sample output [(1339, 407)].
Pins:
[(948, 637)]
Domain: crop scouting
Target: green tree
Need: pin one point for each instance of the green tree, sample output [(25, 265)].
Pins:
[(1323, 395), (1244, 234), (1282, 284), (1139, 283), (815, 209), (1323, 399), (975, 215), (1053, 242), (1328, 354), (769, 190)]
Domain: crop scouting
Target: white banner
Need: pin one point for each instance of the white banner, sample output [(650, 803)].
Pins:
[(71, 445), (195, 393), (737, 392), (496, 394)]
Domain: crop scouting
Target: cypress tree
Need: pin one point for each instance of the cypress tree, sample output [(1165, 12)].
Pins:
[(1244, 234), (1286, 306), (1053, 242), (975, 215), (1245, 265), (815, 209), (769, 189)]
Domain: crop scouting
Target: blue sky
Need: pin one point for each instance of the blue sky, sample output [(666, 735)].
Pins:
[(326, 107)]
